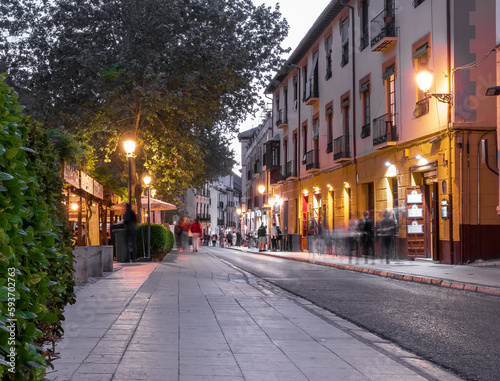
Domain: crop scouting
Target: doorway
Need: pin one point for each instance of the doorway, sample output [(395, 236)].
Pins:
[(431, 215)]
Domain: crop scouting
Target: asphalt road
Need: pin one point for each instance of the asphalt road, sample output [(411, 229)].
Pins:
[(458, 330)]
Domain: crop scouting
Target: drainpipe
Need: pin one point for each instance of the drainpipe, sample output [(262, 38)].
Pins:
[(354, 152), (450, 185)]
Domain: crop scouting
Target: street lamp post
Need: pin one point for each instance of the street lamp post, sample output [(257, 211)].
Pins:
[(147, 181), (129, 149)]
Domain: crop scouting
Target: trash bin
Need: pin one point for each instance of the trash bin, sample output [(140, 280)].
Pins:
[(119, 242), (294, 243)]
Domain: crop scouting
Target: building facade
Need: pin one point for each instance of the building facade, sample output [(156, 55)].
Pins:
[(353, 131)]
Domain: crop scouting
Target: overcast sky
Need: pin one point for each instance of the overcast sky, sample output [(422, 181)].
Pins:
[(300, 15)]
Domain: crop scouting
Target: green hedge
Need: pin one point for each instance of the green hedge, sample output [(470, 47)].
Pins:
[(162, 241), (35, 248)]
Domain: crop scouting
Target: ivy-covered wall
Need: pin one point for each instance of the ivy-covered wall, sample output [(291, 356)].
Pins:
[(36, 280)]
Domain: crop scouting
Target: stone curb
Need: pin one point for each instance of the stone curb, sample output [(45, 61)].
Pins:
[(409, 278)]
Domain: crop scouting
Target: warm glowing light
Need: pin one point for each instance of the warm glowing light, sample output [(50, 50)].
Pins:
[(424, 80), (280, 201), (418, 157), (387, 163), (272, 201), (153, 192), (391, 171), (423, 161), (74, 206), (147, 180), (238, 211), (346, 184), (129, 147), (306, 192), (261, 189)]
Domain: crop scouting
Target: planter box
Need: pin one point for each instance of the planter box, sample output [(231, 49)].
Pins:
[(94, 261), (80, 264)]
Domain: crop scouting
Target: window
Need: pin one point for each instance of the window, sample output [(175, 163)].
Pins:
[(329, 128), (304, 128), (311, 90), (390, 89), (364, 25), (316, 129), (304, 82), (344, 33), (328, 52), (365, 104), (345, 116), (295, 93), (421, 61)]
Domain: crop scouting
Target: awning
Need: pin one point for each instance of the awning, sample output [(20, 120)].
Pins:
[(155, 205)]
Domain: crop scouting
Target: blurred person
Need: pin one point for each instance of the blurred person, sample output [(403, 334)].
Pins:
[(365, 226), (279, 238), (196, 230), (261, 234), (352, 239), (178, 235), (214, 240), (186, 225), (130, 220), (386, 231), (235, 237), (238, 239), (229, 238), (274, 237)]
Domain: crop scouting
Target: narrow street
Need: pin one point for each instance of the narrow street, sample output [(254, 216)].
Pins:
[(455, 329)]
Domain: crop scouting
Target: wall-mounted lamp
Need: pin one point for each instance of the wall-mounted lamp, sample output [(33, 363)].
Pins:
[(261, 189), (493, 91), (346, 184), (306, 192), (391, 171), (74, 206), (424, 81), (418, 157), (387, 163)]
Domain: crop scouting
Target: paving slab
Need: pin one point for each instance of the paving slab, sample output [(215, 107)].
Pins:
[(192, 317)]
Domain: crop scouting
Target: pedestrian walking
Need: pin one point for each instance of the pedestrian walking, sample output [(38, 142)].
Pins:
[(261, 234), (280, 238), (234, 238), (196, 231), (238, 239), (274, 237), (214, 240), (130, 220), (386, 232), (352, 239), (186, 224), (229, 238), (365, 226), (178, 235)]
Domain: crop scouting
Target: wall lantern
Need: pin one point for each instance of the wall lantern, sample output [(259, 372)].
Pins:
[(261, 189), (424, 81), (346, 184)]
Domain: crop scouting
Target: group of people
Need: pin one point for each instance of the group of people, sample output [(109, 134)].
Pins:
[(276, 236), (228, 238), (359, 238), (181, 231)]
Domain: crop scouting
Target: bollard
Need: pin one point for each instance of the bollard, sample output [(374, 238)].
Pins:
[(94, 260), (80, 264)]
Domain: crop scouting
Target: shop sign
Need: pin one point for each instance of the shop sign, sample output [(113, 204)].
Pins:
[(71, 175), (98, 190), (414, 197), (415, 228), (415, 212), (87, 183)]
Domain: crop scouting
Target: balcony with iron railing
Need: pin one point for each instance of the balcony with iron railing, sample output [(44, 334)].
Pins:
[(365, 131), (276, 175), (291, 170), (384, 132), (329, 147), (421, 108), (383, 30), (282, 121), (312, 160), (341, 149), (345, 54), (312, 91)]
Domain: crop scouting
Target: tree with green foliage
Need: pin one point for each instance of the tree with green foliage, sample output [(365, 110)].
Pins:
[(36, 261), (176, 76)]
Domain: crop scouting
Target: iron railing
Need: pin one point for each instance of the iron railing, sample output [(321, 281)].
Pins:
[(365, 131), (282, 117), (383, 130), (382, 26), (341, 148), (312, 159), (291, 169)]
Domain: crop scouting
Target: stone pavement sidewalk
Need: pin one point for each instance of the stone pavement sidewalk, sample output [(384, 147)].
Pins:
[(194, 317), (483, 278)]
